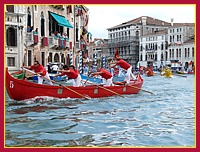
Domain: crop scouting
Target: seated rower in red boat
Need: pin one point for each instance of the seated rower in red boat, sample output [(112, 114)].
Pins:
[(71, 74), (104, 74)]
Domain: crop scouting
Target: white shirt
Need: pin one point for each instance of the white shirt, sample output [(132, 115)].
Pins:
[(54, 67)]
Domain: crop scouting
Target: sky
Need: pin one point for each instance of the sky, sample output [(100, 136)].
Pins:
[(102, 17)]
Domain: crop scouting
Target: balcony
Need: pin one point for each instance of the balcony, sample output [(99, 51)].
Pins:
[(123, 39), (31, 38), (58, 43), (150, 59), (77, 45)]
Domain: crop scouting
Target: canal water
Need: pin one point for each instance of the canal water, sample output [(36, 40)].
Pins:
[(165, 118)]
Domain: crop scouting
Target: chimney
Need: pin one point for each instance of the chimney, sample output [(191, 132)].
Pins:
[(144, 20), (172, 20)]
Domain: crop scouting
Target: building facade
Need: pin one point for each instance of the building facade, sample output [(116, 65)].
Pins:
[(152, 49), (50, 33), (15, 36), (146, 41), (173, 47), (98, 52), (181, 44), (126, 37)]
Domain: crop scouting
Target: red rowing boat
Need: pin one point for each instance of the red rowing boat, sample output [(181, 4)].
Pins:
[(22, 89)]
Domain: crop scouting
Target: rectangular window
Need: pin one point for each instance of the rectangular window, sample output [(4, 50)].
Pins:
[(179, 52), (188, 52), (192, 52), (11, 61), (10, 8), (185, 52), (29, 57)]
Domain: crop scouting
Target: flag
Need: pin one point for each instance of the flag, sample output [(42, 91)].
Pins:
[(116, 53)]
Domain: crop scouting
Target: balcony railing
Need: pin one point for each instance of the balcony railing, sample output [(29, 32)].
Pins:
[(77, 45), (29, 39), (123, 39)]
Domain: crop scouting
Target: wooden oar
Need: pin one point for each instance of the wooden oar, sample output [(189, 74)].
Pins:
[(174, 74), (87, 79), (180, 75), (106, 89), (57, 83), (139, 88)]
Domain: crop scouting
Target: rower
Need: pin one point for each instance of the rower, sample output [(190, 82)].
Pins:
[(71, 73), (107, 76)]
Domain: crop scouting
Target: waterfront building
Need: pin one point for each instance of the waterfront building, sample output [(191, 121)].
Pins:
[(146, 41), (181, 45), (126, 37), (98, 52), (152, 49), (50, 33), (14, 36), (173, 47)]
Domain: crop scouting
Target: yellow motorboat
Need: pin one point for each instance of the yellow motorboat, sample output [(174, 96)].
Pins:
[(167, 72)]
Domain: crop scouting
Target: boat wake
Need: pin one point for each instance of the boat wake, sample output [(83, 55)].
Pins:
[(44, 99)]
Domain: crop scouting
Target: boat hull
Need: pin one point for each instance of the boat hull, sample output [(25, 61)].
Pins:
[(22, 89), (190, 72)]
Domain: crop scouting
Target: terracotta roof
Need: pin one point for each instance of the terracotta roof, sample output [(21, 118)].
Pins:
[(138, 21), (183, 24), (156, 33)]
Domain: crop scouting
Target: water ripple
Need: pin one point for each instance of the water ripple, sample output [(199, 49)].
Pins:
[(166, 118)]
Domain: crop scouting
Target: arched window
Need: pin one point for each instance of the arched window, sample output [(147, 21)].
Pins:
[(42, 24), (192, 51), (188, 52), (166, 56), (10, 8), (56, 57), (172, 53), (140, 57), (179, 52), (77, 33), (11, 37), (137, 33), (185, 52), (28, 17), (162, 46), (155, 57)]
